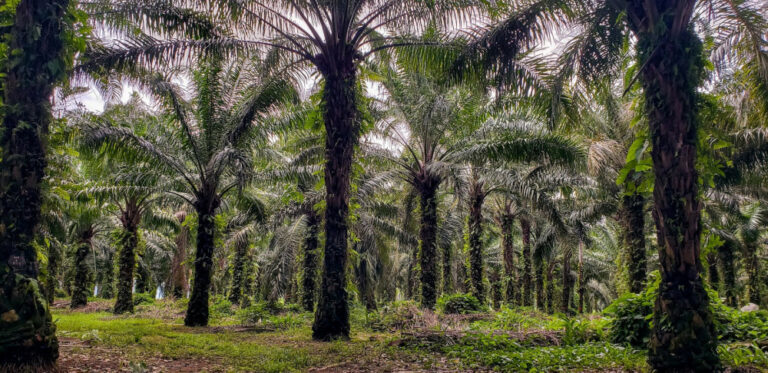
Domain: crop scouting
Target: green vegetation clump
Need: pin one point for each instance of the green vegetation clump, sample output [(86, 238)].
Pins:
[(143, 298), (459, 304)]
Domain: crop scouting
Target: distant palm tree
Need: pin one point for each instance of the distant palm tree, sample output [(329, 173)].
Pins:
[(207, 148)]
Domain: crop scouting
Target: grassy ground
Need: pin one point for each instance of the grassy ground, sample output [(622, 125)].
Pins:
[(398, 338)]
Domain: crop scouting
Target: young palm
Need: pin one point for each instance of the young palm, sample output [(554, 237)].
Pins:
[(207, 148)]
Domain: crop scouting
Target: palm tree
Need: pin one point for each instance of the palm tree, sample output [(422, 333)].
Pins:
[(207, 148), (35, 34), (85, 222)]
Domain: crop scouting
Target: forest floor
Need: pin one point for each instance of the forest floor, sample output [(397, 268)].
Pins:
[(399, 338)]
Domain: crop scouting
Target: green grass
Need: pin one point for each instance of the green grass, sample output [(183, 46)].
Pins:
[(286, 350)]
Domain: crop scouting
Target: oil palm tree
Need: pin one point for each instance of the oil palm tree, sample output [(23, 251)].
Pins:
[(670, 56), (206, 148), (35, 32)]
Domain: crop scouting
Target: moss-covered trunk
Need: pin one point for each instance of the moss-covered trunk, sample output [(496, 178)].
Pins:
[(631, 216), (476, 267), (309, 272), (27, 334), (366, 287), (507, 222), (670, 52), (550, 289), (107, 280), (238, 273), (752, 268), (713, 271), (342, 125), (527, 277), (427, 187), (127, 242), (54, 262), (494, 277), (727, 262), (82, 283), (197, 309)]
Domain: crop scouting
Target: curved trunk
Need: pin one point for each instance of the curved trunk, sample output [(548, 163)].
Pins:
[(197, 309), (238, 273), (508, 252), (342, 124), (27, 334), (477, 198), (752, 267), (428, 240), (309, 278), (81, 286), (527, 278), (126, 262), (632, 220), (683, 337), (726, 256), (565, 307)]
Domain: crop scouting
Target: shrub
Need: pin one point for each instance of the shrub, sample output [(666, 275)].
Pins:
[(396, 316), (631, 315), (459, 304), (222, 307), (143, 298), (252, 314)]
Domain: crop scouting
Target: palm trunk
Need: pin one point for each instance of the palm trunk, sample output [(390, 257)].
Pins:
[(752, 267), (367, 295), (726, 255), (342, 124), (527, 278), (551, 288), (197, 310), (27, 334), (54, 261), (539, 268), (447, 270), (108, 279), (238, 273), (428, 240), (82, 281), (178, 275), (713, 271), (632, 221), (476, 269), (126, 260), (309, 278), (683, 337), (495, 279), (582, 286), (565, 307), (508, 252)]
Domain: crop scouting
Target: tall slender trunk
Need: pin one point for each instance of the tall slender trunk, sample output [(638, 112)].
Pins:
[(126, 259), (477, 197), (582, 286), (494, 278), (238, 273), (726, 255), (28, 333), (197, 309), (508, 253), (527, 278), (683, 337), (713, 271), (565, 307), (752, 267), (551, 287), (342, 126), (309, 276), (633, 237), (367, 295), (428, 240), (82, 281)]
